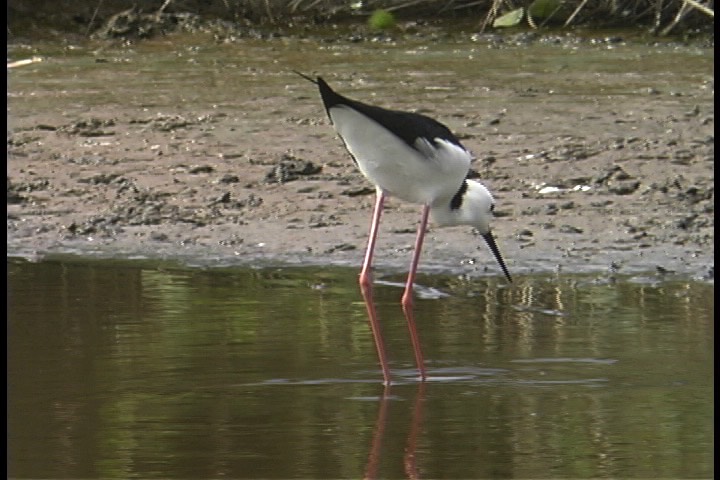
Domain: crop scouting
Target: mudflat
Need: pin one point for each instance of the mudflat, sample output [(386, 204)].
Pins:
[(624, 186)]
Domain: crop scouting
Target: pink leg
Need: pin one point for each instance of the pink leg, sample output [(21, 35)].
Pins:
[(365, 279), (366, 288), (376, 332), (407, 298)]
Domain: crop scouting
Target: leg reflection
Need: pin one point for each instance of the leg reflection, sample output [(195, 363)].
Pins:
[(378, 434), (410, 460), (409, 457)]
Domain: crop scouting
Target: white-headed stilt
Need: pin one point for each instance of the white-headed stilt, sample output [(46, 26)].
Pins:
[(416, 159)]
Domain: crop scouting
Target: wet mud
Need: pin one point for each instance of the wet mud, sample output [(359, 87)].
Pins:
[(617, 188)]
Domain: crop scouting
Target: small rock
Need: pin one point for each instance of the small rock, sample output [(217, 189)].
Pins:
[(624, 188), (201, 169), (570, 229), (342, 247), (158, 236), (355, 192), (227, 178)]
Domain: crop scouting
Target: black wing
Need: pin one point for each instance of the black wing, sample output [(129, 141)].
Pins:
[(406, 125)]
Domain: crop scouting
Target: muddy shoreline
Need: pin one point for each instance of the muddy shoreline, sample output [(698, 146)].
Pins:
[(633, 193)]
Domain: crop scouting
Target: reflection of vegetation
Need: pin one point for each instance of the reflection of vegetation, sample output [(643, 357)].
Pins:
[(125, 371)]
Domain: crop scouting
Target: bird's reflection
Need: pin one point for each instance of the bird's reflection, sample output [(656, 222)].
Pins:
[(376, 450), (367, 292), (377, 436), (410, 460), (409, 457)]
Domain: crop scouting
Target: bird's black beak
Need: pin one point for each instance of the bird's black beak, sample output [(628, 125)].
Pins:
[(490, 240)]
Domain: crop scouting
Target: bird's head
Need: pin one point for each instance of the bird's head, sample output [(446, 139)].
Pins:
[(474, 205)]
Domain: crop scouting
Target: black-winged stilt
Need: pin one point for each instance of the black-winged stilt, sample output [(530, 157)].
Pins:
[(419, 160)]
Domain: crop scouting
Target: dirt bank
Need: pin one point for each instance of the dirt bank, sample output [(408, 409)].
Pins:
[(634, 192)]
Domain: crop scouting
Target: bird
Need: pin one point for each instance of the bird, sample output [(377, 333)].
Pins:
[(416, 159)]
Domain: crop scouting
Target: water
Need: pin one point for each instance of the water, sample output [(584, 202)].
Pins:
[(149, 370)]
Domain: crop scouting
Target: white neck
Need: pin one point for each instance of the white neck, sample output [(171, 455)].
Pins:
[(475, 209)]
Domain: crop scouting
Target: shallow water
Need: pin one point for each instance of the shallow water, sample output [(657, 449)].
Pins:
[(147, 370)]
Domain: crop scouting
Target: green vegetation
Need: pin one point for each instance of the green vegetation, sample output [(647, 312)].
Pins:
[(381, 20), (661, 17)]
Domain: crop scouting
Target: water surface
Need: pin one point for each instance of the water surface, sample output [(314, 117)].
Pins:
[(148, 370)]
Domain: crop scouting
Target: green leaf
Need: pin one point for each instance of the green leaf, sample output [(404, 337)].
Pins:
[(510, 19)]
